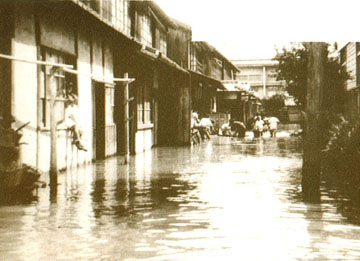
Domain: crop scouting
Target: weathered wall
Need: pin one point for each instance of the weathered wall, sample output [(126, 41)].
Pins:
[(215, 69), (97, 56), (57, 30), (184, 122), (24, 79), (89, 49), (85, 87), (178, 45), (227, 73)]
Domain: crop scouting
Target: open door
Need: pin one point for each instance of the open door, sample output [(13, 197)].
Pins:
[(99, 120)]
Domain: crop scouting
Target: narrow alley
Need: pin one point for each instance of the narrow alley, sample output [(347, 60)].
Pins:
[(228, 198)]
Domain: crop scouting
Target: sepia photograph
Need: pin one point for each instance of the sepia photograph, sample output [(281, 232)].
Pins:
[(182, 130)]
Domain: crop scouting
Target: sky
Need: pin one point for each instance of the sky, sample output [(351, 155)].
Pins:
[(251, 29)]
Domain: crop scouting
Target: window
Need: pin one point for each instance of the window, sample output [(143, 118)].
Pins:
[(107, 10), (146, 30), (65, 84), (144, 105), (121, 18)]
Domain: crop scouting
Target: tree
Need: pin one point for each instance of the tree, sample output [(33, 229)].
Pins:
[(293, 69), (274, 104)]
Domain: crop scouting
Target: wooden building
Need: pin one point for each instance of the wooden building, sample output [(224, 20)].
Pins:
[(208, 67), (102, 40), (238, 101)]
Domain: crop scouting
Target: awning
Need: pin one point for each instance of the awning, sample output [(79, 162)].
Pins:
[(207, 79), (235, 86)]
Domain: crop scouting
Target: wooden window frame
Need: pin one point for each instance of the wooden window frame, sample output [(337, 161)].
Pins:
[(63, 80), (144, 107)]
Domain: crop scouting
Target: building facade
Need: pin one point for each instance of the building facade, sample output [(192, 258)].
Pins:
[(93, 49), (261, 76), (101, 41), (208, 67), (238, 101)]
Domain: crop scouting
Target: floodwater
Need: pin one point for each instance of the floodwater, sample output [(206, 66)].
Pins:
[(225, 199)]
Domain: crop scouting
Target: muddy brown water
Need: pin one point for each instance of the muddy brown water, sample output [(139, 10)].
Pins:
[(226, 199)]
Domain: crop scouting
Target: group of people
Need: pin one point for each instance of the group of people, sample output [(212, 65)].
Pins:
[(201, 128), (260, 126), (233, 128)]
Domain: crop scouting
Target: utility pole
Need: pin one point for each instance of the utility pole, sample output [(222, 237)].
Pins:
[(312, 139), (126, 119), (51, 90)]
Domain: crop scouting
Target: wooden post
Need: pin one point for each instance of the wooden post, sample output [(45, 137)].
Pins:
[(51, 90), (126, 119), (312, 139)]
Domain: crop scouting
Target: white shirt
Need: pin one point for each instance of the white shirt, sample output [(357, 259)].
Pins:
[(71, 116), (205, 122), (273, 121), (259, 125)]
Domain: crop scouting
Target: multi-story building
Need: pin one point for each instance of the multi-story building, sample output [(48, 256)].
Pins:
[(208, 67), (91, 49), (100, 40), (350, 60), (261, 76)]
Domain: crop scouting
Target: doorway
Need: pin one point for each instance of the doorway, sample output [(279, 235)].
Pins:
[(98, 120)]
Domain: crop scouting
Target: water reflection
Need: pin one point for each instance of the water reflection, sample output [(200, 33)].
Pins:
[(230, 198)]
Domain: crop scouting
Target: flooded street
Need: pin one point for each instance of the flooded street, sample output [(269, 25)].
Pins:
[(225, 199)]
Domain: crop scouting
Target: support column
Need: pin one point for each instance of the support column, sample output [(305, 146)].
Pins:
[(51, 90), (126, 119)]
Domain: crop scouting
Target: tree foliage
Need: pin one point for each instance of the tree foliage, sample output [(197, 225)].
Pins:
[(293, 69), (274, 104)]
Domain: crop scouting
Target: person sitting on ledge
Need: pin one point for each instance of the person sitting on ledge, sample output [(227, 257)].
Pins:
[(71, 121)]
